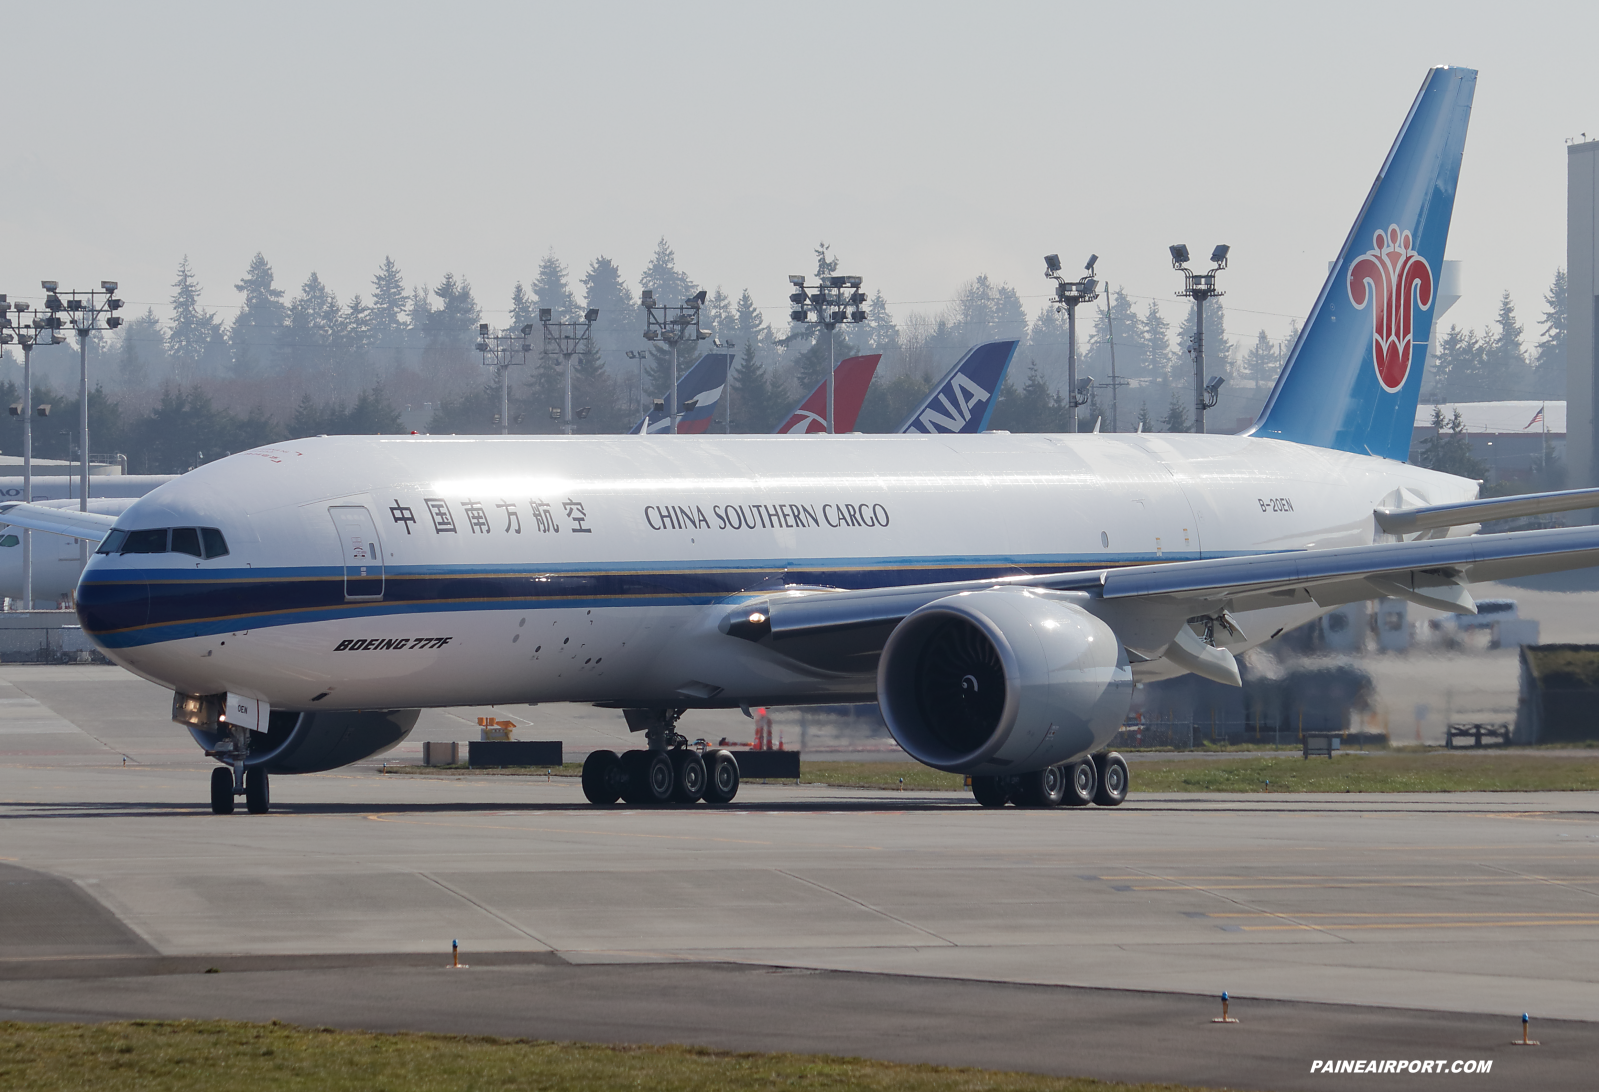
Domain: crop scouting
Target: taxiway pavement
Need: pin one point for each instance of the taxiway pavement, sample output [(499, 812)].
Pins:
[(903, 925)]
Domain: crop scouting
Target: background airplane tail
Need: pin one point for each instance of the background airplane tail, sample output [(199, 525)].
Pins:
[(964, 399), (698, 391), (850, 380), (1353, 378)]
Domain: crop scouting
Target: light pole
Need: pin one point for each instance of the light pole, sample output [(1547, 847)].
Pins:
[(26, 335), (84, 311), (1068, 294), (831, 302), (567, 340), (501, 351), (727, 385), (673, 325), (1200, 287)]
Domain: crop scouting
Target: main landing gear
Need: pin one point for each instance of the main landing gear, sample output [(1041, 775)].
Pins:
[(669, 772), (1100, 779), (233, 780)]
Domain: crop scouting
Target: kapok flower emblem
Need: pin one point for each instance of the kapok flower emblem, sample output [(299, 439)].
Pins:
[(1396, 279)]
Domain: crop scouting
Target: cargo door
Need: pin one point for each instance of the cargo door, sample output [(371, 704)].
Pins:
[(363, 554)]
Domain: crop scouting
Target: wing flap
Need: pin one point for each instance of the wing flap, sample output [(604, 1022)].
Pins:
[(1403, 521)]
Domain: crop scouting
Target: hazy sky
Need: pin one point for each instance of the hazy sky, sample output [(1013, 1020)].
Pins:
[(926, 142)]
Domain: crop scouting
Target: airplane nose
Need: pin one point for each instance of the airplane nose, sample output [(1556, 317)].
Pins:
[(106, 604)]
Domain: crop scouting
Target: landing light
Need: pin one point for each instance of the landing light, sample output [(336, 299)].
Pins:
[(757, 617)]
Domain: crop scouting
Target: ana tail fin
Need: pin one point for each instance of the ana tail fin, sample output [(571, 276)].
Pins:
[(964, 399), (1353, 378)]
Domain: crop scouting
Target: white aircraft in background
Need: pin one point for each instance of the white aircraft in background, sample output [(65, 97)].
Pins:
[(55, 560), (998, 595)]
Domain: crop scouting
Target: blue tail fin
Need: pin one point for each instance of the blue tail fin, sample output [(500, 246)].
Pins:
[(964, 399), (1353, 378)]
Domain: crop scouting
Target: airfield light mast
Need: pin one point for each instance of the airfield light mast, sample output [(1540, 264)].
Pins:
[(567, 340), (833, 301), (84, 311), (26, 335), (501, 351), (673, 324), (1068, 294), (1200, 287)]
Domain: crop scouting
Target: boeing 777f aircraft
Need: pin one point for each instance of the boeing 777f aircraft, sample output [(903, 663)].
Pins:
[(998, 595)]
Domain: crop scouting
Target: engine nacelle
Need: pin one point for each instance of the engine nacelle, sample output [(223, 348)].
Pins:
[(1002, 681), (297, 743)]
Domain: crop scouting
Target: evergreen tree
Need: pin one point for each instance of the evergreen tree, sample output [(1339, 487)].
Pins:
[(1047, 343), (351, 346), (259, 322), (193, 329), (879, 332), (1550, 354), (308, 339), (1220, 358), (619, 329), (524, 311), (1094, 352), (1144, 423), (671, 286), (1034, 408), (1176, 419), (1157, 344), (142, 353), (1506, 361), (551, 291), (390, 313), (1448, 449), (1261, 361), (717, 315)]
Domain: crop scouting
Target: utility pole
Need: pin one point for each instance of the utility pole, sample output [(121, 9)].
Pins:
[(567, 340), (833, 301), (673, 325), (27, 335), (84, 311), (1068, 294), (1115, 380), (501, 351), (1200, 287)]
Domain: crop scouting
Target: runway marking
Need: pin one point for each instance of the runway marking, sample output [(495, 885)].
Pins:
[(1417, 914), (381, 818), (866, 906), (495, 914)]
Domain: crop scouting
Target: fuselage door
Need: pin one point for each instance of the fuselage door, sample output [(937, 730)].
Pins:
[(363, 554)]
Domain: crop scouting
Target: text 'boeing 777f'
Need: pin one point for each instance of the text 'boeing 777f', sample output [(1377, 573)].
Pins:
[(998, 595)]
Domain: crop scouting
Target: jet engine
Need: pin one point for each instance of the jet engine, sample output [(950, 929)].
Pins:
[(296, 743), (1002, 681)]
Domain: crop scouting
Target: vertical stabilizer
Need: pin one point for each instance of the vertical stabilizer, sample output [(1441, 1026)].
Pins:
[(964, 399), (1353, 378)]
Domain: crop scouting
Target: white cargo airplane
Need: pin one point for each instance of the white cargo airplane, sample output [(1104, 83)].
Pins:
[(997, 594)]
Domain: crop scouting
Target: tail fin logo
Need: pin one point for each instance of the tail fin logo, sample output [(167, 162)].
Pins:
[(1396, 279)]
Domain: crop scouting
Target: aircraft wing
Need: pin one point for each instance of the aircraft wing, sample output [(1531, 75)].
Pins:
[(93, 526), (845, 628)]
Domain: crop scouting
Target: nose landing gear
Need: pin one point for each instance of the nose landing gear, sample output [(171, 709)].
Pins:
[(233, 780)]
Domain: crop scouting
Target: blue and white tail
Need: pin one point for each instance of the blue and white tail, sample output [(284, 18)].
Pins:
[(1353, 378), (964, 399)]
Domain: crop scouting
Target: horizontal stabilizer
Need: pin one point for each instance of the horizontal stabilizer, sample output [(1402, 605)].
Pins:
[(93, 526), (1402, 521)]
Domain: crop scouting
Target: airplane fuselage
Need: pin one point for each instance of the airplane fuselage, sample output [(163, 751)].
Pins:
[(399, 572)]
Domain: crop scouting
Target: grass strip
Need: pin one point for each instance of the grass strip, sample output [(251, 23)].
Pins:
[(178, 1056), (1432, 771)]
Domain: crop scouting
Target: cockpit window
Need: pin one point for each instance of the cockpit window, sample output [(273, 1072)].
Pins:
[(186, 540), (146, 542), (206, 542), (9, 540)]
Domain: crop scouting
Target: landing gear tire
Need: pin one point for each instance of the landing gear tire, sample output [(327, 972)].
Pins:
[(221, 791), (634, 787), (1113, 779), (721, 782), (991, 792), (660, 778), (689, 775), (1081, 781), (602, 777), (1045, 788), (257, 792)]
